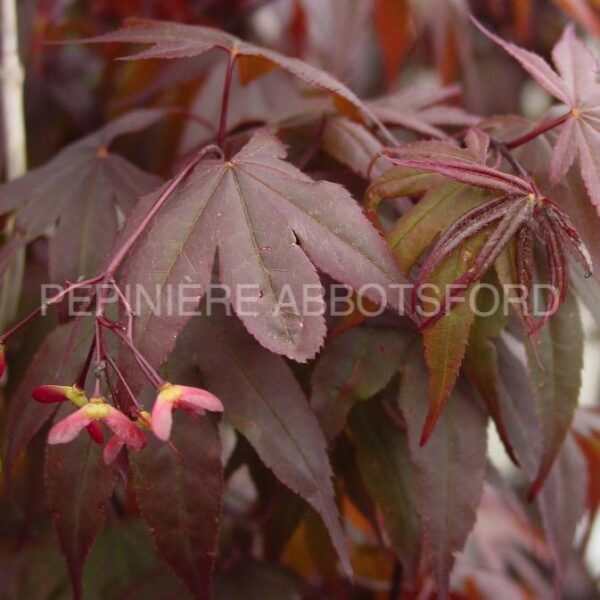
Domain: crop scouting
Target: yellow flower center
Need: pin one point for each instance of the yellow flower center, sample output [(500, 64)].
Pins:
[(96, 409), (169, 393), (76, 396)]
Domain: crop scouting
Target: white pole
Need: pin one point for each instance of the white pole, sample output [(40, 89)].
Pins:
[(15, 148)]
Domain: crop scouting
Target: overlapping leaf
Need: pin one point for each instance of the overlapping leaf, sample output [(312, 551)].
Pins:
[(354, 146), (446, 340), (178, 488), (79, 487), (354, 366), (264, 402), (481, 358), (58, 360), (252, 207), (82, 191), (575, 84), (562, 504), (448, 471), (384, 461), (174, 40), (556, 378), (442, 202), (421, 109)]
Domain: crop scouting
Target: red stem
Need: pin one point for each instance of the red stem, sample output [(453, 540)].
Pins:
[(144, 365), (54, 300), (160, 201), (225, 101), (80, 383), (543, 128), (123, 381)]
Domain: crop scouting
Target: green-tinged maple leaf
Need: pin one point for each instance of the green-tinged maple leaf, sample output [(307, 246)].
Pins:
[(417, 229), (385, 465), (448, 472), (354, 366), (575, 84), (265, 403), (79, 487), (80, 192), (175, 40), (178, 487), (446, 340), (443, 202), (272, 225)]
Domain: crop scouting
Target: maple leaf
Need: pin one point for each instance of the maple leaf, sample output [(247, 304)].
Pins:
[(252, 207), (273, 98), (521, 212), (79, 487), (354, 146), (452, 466), (81, 192), (174, 40), (420, 109), (575, 84)]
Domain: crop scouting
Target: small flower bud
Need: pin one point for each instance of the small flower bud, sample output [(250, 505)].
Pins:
[(59, 393)]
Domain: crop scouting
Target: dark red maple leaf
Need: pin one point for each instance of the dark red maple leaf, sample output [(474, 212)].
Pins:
[(175, 40), (422, 109), (77, 198), (272, 225)]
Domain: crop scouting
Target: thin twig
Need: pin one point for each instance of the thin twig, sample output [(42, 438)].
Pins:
[(225, 101)]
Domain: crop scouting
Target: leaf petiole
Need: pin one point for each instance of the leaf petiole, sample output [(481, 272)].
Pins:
[(540, 130)]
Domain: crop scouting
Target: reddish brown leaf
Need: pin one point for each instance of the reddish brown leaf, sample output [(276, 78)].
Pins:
[(354, 146), (384, 461), (555, 369), (58, 360), (354, 366), (574, 84), (562, 504), (264, 402), (448, 471), (174, 40), (80, 191), (252, 208), (79, 487), (421, 109), (178, 488)]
